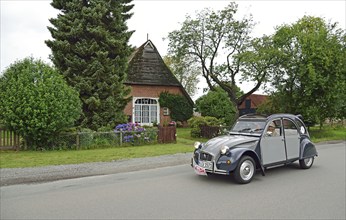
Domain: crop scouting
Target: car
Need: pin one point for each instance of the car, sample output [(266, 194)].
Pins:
[(255, 142)]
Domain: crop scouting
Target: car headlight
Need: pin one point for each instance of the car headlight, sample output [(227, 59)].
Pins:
[(197, 144), (224, 149)]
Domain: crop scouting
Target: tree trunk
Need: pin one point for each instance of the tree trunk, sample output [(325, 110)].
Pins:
[(237, 112)]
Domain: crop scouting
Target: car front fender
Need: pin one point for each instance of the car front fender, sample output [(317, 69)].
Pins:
[(235, 155)]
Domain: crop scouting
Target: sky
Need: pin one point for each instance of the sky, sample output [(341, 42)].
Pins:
[(23, 27)]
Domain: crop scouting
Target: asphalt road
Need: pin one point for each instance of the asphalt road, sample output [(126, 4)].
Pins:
[(175, 192)]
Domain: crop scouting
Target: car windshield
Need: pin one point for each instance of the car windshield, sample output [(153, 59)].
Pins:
[(247, 126)]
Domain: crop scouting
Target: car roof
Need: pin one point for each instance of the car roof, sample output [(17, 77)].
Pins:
[(253, 116), (270, 117)]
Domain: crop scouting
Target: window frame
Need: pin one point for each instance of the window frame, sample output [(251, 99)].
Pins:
[(150, 105)]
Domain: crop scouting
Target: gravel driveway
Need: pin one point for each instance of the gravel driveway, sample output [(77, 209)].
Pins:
[(11, 176)]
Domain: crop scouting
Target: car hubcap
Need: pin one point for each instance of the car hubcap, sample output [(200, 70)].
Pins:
[(308, 161), (246, 170)]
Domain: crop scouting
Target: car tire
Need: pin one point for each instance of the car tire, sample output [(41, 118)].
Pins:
[(306, 163), (245, 170)]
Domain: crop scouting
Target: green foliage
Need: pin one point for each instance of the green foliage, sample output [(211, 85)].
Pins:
[(217, 104), (309, 78), (90, 49), (36, 102), (179, 106), (196, 122), (222, 46), (269, 106)]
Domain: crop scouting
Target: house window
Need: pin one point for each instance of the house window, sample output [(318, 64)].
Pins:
[(146, 111), (165, 111)]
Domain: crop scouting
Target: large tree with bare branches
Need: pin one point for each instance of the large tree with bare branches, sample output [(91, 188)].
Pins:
[(222, 46)]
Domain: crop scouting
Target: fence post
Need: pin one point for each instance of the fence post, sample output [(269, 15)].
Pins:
[(1, 136), (77, 140), (17, 141), (121, 138)]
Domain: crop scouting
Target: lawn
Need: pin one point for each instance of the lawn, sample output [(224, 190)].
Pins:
[(12, 159), (327, 133)]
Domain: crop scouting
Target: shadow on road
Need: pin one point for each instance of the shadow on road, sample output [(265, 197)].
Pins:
[(273, 172)]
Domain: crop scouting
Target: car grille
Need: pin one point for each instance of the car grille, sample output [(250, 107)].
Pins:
[(205, 156)]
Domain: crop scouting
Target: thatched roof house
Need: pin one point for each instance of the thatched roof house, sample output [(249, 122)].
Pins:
[(148, 76)]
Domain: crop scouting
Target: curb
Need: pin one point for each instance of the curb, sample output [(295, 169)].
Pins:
[(12, 176)]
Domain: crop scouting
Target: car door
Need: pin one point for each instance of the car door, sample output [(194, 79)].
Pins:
[(273, 144), (292, 139)]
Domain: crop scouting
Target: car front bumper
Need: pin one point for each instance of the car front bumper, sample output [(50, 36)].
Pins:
[(203, 167)]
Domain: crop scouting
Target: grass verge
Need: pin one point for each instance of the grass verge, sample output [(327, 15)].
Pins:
[(12, 159), (327, 133)]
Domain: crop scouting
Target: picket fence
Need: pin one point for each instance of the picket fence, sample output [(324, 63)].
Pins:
[(9, 140)]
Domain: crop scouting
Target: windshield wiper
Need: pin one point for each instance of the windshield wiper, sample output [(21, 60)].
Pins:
[(245, 129), (250, 130)]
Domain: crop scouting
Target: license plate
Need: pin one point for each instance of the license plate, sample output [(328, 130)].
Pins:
[(200, 170), (206, 165)]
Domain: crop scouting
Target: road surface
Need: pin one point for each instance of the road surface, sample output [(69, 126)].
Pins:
[(175, 192)]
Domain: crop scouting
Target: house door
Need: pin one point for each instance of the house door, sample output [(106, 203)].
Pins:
[(146, 111)]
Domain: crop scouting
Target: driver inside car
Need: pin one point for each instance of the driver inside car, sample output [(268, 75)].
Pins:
[(271, 130)]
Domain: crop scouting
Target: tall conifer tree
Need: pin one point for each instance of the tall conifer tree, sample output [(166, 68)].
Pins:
[(90, 48)]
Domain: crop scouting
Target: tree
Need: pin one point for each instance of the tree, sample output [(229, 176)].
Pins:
[(216, 104), (90, 49), (185, 71), (309, 80), (212, 34), (36, 102)]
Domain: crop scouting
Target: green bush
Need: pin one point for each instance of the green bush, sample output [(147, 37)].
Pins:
[(217, 104), (180, 108), (196, 122), (37, 103)]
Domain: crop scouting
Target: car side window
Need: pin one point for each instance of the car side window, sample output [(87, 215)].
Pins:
[(290, 127), (301, 126), (274, 128)]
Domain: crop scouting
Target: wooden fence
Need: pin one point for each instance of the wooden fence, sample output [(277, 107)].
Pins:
[(214, 131), (167, 134), (209, 131), (9, 140)]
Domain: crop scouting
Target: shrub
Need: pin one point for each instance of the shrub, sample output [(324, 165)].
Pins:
[(180, 108), (36, 102), (196, 122), (217, 104), (135, 134)]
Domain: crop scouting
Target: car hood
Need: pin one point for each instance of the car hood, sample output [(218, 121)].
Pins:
[(214, 145)]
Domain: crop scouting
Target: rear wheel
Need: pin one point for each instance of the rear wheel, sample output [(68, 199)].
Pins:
[(245, 170), (306, 163)]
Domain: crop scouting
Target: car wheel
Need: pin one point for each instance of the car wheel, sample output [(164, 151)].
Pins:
[(306, 163), (245, 170)]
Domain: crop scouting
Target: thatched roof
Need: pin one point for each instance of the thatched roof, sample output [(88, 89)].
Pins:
[(146, 67)]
